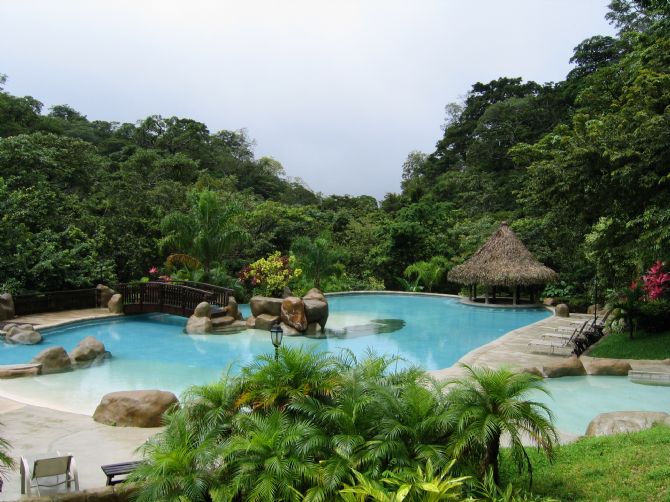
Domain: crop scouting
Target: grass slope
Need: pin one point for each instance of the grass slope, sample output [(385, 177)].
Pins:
[(643, 346), (624, 467)]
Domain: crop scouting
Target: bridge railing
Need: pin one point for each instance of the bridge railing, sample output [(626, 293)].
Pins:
[(220, 295), (161, 297), (55, 301)]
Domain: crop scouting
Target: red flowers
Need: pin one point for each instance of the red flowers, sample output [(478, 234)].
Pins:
[(656, 281)]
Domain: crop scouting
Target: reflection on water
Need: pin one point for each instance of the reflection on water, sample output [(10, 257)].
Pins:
[(374, 327)]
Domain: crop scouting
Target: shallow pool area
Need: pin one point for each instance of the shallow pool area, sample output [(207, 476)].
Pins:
[(152, 351), (575, 401)]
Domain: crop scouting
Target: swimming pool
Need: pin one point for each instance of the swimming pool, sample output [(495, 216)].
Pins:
[(151, 351), (575, 401)]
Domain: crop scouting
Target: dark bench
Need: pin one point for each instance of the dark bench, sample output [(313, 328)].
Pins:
[(113, 470)]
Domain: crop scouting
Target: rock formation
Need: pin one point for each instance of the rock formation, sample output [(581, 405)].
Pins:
[(200, 321), (22, 334), (562, 310), (115, 304), (105, 294), (134, 408), (53, 360), (302, 315), (88, 352), (617, 422), (6, 307), (570, 366)]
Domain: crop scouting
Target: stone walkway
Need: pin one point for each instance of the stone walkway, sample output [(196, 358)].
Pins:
[(32, 429), (51, 319)]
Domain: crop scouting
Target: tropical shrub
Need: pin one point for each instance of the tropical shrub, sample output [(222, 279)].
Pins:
[(6, 461), (315, 426), (269, 276)]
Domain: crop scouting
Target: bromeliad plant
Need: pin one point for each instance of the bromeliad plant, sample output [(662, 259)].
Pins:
[(269, 276)]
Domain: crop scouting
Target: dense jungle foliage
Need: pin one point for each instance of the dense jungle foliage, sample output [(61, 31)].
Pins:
[(580, 167)]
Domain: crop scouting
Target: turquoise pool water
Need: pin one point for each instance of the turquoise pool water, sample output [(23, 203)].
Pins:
[(151, 351), (575, 401)]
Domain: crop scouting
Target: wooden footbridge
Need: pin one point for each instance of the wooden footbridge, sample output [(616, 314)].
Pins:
[(177, 298)]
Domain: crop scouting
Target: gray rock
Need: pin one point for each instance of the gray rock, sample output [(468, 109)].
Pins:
[(115, 304), (6, 307), (203, 309), (266, 321), (316, 311), (88, 352), (570, 366), (562, 310), (105, 294), (53, 360), (617, 422), (265, 305), (134, 408), (314, 294), (22, 335), (287, 292)]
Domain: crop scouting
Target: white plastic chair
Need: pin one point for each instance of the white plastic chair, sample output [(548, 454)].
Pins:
[(45, 469)]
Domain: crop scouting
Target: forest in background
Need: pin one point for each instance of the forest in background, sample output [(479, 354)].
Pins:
[(579, 167)]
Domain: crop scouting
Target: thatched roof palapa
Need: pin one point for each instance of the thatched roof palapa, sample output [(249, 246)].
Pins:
[(502, 261)]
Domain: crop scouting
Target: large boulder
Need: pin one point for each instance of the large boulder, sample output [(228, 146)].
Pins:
[(115, 304), (592, 309), (134, 408), (293, 313), (265, 305), (611, 367), (88, 352), (53, 360), (105, 294), (266, 321), (200, 321), (316, 311), (203, 309), (289, 330), (617, 422), (6, 307), (314, 294), (570, 366), (23, 334), (250, 323), (232, 309), (196, 325), (562, 310)]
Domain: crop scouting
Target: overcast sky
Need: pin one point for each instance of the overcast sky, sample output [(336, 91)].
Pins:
[(338, 91)]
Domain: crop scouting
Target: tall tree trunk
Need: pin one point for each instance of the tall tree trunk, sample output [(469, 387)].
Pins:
[(492, 451)]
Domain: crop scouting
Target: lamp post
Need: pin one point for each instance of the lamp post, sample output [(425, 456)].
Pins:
[(276, 334)]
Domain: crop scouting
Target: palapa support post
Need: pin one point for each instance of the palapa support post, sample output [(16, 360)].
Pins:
[(486, 295), (515, 294)]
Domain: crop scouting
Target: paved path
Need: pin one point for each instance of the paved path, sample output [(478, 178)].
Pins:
[(49, 319), (33, 430)]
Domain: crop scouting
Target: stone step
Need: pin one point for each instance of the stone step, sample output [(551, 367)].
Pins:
[(649, 377)]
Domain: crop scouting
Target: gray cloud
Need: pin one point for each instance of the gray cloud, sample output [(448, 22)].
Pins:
[(338, 91)]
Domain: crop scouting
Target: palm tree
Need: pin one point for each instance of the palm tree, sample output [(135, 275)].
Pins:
[(269, 383), (269, 458), (182, 460), (6, 462), (428, 272), (317, 257), (206, 234), (487, 404)]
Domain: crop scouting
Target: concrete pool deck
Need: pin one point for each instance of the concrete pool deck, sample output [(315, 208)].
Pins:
[(33, 429)]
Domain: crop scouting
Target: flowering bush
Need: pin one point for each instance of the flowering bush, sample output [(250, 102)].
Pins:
[(269, 276), (656, 281)]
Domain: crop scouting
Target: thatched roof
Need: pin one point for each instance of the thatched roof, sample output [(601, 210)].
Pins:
[(502, 261)]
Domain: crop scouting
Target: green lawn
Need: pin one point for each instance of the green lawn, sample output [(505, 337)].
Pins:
[(633, 467), (642, 346)]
